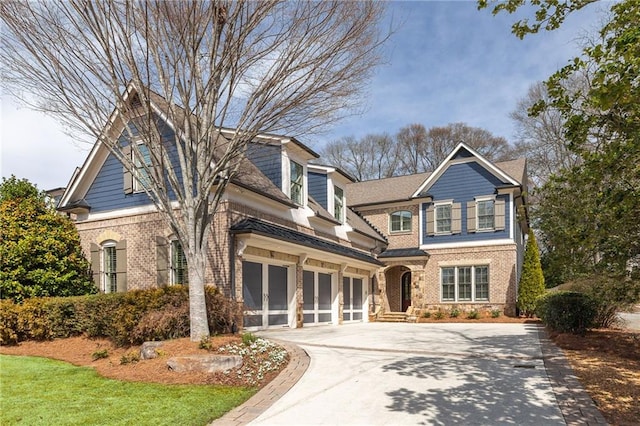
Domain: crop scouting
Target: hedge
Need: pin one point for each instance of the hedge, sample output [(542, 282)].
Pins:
[(567, 311), (124, 318)]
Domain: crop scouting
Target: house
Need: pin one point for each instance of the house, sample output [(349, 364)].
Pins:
[(300, 243), (456, 236)]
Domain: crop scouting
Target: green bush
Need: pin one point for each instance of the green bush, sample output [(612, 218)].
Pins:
[(474, 314), (611, 294), (124, 318), (495, 313), (439, 314), (426, 314), (454, 313), (567, 311)]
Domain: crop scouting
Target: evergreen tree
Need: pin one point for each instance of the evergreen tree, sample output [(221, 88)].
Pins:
[(532, 280), (40, 250)]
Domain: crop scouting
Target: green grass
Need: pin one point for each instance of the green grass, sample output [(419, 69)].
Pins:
[(40, 391)]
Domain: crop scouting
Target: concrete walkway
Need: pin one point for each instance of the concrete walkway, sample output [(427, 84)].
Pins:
[(437, 374)]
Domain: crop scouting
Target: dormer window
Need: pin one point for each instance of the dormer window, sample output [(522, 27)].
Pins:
[(297, 183), (338, 203), (400, 221)]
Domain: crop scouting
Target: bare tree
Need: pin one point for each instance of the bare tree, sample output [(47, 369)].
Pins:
[(413, 143), (541, 138), (249, 66), (373, 156)]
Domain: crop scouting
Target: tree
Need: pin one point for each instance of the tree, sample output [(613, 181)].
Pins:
[(531, 285), (602, 127), (413, 150), (40, 250), (288, 67), (540, 138), (373, 156)]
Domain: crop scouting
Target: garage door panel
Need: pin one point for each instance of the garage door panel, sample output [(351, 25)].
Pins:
[(278, 299), (252, 285)]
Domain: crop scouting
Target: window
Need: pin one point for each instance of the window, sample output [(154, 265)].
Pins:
[(142, 163), (486, 217), (400, 221), (464, 283), (179, 273), (109, 276), (443, 218), (338, 203), (296, 188)]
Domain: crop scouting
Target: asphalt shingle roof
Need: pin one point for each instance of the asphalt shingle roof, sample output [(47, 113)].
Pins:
[(403, 252), (255, 226)]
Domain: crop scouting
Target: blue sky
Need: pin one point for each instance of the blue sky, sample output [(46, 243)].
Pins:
[(446, 62)]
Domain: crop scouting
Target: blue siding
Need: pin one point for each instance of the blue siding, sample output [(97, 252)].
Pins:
[(268, 159), (462, 183), (318, 188), (106, 193)]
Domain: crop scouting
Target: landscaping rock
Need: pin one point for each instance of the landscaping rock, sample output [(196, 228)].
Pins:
[(204, 363), (148, 350)]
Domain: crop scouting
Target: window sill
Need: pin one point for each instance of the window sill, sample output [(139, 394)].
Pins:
[(409, 232)]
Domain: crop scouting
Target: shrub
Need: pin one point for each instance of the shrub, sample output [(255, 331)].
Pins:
[(99, 354), (224, 314), (162, 324), (9, 313), (611, 294), (439, 314), (130, 358), (454, 313), (474, 314), (495, 313), (567, 311), (531, 286), (248, 338), (426, 314)]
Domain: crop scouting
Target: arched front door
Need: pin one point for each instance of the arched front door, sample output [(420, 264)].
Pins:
[(406, 291)]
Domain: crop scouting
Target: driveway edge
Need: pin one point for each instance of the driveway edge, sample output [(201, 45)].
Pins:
[(258, 403), (577, 407)]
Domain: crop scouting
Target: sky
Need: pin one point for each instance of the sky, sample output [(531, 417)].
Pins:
[(445, 62)]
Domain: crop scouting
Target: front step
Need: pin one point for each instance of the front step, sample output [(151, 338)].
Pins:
[(392, 317)]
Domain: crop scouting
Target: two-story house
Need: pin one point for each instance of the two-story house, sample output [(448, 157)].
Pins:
[(284, 242), (299, 243), (456, 236)]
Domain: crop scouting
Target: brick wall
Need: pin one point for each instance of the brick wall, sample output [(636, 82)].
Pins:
[(380, 219)]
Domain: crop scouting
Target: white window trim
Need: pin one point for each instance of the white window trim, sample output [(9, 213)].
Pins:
[(331, 201), (442, 203), (286, 177), (478, 200), (103, 269), (137, 186), (400, 231), (473, 283)]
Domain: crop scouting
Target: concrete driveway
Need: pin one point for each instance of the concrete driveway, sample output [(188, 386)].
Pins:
[(401, 374)]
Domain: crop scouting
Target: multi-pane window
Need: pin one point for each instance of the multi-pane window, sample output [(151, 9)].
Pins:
[(142, 162), (297, 190), (109, 277), (482, 282), (338, 203), (464, 283), (448, 279), (486, 216), (179, 273), (400, 221), (443, 218)]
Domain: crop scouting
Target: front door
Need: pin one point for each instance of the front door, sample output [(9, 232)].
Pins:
[(406, 291)]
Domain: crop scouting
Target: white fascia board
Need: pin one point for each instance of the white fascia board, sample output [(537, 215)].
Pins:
[(468, 244), (447, 162)]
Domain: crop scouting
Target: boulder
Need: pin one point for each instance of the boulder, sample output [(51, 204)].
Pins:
[(148, 350), (204, 363)]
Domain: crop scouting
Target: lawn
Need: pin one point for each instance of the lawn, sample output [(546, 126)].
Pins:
[(40, 391)]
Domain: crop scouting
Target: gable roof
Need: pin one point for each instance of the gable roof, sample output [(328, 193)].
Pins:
[(405, 188), (464, 150)]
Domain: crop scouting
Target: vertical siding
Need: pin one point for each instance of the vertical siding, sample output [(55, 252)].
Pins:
[(318, 188), (268, 159), (462, 183), (107, 190)]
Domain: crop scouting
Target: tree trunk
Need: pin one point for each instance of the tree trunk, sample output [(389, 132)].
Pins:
[(199, 323)]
